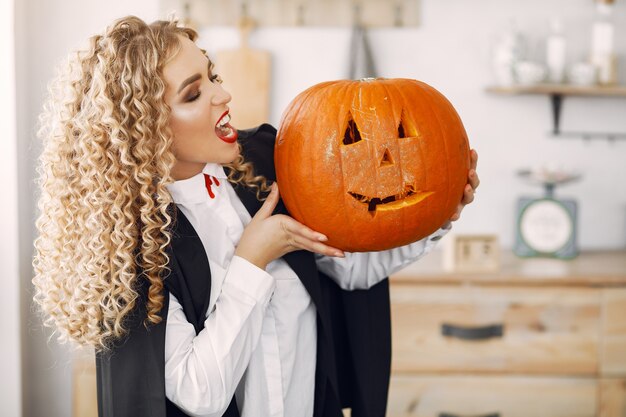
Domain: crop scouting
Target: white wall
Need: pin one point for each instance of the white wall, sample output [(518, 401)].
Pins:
[(449, 51), (46, 31), (10, 365)]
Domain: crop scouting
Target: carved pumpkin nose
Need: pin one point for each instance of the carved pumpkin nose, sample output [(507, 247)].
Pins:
[(386, 159)]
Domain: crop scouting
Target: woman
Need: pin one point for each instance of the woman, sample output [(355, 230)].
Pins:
[(155, 247)]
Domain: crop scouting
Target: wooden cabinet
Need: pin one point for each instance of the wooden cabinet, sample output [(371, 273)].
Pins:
[(541, 337), (84, 392)]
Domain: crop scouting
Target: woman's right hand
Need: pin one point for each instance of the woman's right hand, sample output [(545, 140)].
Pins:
[(268, 237)]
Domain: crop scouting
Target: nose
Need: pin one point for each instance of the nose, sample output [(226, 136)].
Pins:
[(221, 96), (386, 160)]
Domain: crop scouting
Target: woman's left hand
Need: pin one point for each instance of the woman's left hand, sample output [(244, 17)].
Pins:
[(470, 187)]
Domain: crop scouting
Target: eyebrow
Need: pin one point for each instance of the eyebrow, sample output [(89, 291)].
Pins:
[(188, 81)]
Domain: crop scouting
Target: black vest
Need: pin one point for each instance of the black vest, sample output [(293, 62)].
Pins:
[(353, 327)]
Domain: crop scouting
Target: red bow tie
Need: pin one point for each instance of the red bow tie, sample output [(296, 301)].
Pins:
[(208, 182)]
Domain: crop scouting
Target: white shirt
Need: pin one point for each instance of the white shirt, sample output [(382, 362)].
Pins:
[(259, 339)]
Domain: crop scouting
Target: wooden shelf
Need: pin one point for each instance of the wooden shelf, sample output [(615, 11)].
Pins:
[(561, 89), (297, 13), (557, 92)]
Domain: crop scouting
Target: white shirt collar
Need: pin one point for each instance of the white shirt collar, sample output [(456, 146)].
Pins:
[(193, 190), (215, 170)]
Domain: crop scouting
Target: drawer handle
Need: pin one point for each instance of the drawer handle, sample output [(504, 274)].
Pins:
[(472, 333), (456, 415)]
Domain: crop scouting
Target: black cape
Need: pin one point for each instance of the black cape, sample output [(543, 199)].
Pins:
[(353, 327)]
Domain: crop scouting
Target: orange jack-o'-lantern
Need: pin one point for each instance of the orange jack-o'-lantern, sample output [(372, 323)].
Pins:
[(373, 164)]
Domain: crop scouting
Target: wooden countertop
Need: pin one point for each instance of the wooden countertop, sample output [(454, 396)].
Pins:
[(602, 268)]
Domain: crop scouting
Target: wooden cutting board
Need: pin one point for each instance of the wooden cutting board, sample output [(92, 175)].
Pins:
[(246, 73)]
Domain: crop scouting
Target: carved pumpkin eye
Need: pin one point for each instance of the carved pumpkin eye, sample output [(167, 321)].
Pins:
[(352, 134), (401, 129)]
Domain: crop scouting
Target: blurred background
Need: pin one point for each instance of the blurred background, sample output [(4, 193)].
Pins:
[(539, 85)]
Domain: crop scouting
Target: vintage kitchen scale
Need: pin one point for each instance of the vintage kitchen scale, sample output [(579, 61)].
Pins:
[(547, 226)]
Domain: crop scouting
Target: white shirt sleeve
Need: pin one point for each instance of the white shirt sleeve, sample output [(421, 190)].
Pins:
[(202, 371), (363, 270)]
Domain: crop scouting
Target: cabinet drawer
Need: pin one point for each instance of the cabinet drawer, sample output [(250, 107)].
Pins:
[(502, 396), (542, 330), (614, 333)]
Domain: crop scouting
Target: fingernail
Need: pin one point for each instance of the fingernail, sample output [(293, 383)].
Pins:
[(339, 254), (322, 238)]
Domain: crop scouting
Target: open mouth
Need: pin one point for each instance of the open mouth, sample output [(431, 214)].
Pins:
[(406, 198), (224, 130)]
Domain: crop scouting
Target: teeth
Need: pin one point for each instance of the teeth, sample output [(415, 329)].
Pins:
[(224, 120)]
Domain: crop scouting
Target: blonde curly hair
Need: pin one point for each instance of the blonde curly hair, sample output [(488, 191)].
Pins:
[(104, 225)]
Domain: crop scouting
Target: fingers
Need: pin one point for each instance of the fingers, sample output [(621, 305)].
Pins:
[(473, 159), (317, 247), (473, 176), (468, 195), (302, 237), (459, 208), (470, 188), (474, 181), (270, 203)]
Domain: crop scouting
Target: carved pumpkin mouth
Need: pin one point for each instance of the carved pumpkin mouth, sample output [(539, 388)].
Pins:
[(407, 198)]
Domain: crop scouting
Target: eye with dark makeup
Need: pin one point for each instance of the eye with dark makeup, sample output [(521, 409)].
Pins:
[(214, 78), (193, 96)]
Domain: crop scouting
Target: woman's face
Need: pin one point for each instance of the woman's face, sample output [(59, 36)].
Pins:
[(199, 113)]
